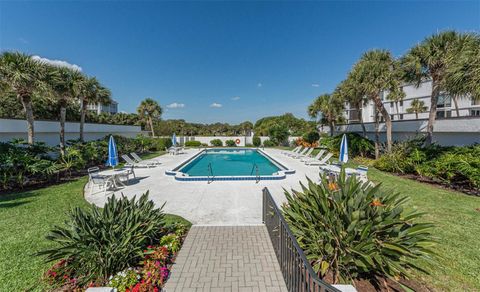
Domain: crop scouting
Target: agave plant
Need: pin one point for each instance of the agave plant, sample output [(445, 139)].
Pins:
[(101, 242), (351, 230)]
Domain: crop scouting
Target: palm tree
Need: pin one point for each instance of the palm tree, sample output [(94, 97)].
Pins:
[(350, 92), (65, 84), (377, 73), (429, 60), (417, 106), (90, 91), (150, 110), (329, 108), (24, 76), (462, 76)]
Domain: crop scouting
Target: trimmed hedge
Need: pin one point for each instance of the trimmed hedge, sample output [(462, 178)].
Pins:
[(193, 143)]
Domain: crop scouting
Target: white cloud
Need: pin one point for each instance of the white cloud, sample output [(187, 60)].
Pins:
[(57, 63), (176, 105), (23, 40), (315, 85), (236, 98), (259, 84), (216, 105)]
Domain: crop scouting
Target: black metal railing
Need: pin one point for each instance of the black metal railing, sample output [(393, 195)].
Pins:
[(297, 271)]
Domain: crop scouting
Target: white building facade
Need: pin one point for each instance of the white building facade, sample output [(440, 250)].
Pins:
[(99, 107), (449, 129)]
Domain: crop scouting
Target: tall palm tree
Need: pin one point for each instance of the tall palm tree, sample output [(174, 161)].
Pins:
[(90, 91), (24, 76), (429, 60), (417, 106), (65, 84), (462, 76), (151, 110), (377, 73), (350, 92), (329, 108)]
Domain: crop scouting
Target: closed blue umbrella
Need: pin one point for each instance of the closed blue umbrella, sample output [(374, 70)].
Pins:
[(112, 153), (174, 140), (344, 149)]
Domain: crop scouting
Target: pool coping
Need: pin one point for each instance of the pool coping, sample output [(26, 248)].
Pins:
[(180, 176)]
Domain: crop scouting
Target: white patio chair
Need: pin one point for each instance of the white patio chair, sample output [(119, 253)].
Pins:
[(302, 153), (317, 157), (294, 150), (103, 182), (138, 159), (132, 163), (291, 153), (323, 161)]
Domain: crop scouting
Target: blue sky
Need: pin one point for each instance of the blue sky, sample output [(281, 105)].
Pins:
[(223, 61)]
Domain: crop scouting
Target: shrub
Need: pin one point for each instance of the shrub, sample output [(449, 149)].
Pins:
[(357, 145), (230, 143), (163, 143), (269, 143), (311, 137), (193, 144), (249, 145), (100, 242), (256, 141), (278, 135), (216, 142), (350, 230)]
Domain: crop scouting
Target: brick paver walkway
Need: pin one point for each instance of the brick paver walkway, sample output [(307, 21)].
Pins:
[(226, 258)]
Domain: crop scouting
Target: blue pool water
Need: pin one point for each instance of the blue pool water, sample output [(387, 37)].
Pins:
[(230, 162)]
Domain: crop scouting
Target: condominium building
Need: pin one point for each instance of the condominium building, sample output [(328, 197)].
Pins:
[(467, 107), (99, 108)]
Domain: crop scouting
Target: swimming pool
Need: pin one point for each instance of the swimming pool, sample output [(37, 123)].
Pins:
[(230, 164)]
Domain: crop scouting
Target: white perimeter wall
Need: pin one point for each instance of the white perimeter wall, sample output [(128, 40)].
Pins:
[(243, 140), (446, 132), (48, 131)]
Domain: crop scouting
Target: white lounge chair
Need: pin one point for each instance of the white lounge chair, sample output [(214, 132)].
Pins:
[(130, 162), (323, 161), (317, 157), (290, 151), (304, 153), (138, 159)]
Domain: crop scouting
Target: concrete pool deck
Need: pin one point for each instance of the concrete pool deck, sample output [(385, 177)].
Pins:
[(203, 203)]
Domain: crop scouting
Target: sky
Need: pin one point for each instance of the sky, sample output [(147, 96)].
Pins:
[(223, 61)]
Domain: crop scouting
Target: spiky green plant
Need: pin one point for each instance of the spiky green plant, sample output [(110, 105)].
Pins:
[(350, 230), (101, 242)]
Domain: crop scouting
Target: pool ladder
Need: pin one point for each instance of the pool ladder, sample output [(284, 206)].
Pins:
[(210, 172), (257, 175)]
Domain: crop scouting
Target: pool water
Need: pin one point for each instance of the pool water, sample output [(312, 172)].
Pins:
[(230, 162)]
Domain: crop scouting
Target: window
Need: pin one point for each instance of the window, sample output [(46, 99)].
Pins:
[(401, 116), (444, 101), (475, 112), (391, 104), (444, 114), (392, 117), (476, 102), (401, 103)]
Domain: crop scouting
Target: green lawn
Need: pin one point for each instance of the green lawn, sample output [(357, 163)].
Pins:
[(457, 231), (25, 220)]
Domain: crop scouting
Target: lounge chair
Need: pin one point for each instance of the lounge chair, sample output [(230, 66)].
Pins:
[(138, 159), (303, 154), (317, 157), (132, 163), (290, 151), (103, 182), (323, 161), (362, 172)]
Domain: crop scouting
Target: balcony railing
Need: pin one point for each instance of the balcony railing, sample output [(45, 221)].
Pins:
[(297, 271)]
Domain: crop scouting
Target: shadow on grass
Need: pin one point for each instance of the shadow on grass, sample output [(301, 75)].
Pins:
[(14, 200)]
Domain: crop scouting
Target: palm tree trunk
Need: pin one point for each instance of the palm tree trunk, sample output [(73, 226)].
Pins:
[(27, 106), (416, 115), (331, 125), (455, 102), (63, 113), (83, 112), (388, 121), (398, 112), (150, 121), (360, 117), (433, 112)]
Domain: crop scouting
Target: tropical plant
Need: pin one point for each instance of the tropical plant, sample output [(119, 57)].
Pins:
[(101, 242), (377, 74), (351, 92), (430, 60), (216, 143), (124, 280), (358, 145), (149, 109), (257, 141), (350, 230), (278, 134), (24, 76), (329, 108), (311, 137), (89, 91), (417, 106), (269, 143)]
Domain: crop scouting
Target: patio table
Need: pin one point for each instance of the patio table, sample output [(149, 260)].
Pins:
[(116, 174)]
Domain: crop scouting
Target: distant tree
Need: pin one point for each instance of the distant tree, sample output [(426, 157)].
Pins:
[(328, 109), (278, 134), (417, 106), (149, 109)]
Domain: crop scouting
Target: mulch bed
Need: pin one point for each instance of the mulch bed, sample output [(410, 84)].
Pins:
[(463, 188)]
